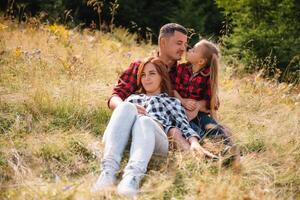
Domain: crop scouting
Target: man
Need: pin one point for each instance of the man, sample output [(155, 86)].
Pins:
[(172, 43)]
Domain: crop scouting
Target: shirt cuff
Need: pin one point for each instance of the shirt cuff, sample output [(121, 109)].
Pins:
[(113, 95)]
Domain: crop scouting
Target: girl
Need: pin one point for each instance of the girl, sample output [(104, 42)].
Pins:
[(148, 132), (198, 80)]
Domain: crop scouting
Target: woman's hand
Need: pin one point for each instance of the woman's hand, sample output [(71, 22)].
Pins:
[(196, 147), (141, 110)]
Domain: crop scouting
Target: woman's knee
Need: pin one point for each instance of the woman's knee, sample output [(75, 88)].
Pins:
[(144, 125), (127, 107), (146, 121)]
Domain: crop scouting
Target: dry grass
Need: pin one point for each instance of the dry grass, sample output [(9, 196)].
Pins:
[(54, 84)]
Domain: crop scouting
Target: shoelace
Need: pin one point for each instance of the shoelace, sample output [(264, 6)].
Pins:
[(134, 181)]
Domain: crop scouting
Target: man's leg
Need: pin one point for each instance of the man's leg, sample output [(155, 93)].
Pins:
[(177, 140), (116, 138)]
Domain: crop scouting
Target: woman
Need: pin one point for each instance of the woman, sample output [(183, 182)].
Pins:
[(148, 132)]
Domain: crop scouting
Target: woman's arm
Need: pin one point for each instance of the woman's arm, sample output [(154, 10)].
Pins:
[(179, 117), (195, 146)]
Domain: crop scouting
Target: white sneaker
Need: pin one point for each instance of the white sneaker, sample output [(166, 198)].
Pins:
[(129, 186), (105, 181)]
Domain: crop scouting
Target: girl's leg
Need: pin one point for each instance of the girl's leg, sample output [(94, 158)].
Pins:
[(211, 127), (116, 138), (197, 126), (147, 138)]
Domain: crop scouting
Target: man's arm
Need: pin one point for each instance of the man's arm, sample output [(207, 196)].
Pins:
[(114, 102), (127, 85)]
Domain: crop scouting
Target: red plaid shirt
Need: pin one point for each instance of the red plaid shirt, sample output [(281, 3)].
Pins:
[(193, 85), (127, 83)]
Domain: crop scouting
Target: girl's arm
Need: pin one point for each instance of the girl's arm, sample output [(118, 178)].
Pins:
[(188, 104), (191, 104)]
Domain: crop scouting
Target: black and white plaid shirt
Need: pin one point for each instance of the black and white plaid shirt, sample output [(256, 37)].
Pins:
[(167, 110)]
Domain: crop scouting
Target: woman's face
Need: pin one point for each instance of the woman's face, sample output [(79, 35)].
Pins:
[(151, 80)]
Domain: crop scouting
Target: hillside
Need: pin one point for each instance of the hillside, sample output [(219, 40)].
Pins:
[(54, 85)]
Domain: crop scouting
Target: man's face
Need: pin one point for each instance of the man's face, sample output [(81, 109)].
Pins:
[(175, 46)]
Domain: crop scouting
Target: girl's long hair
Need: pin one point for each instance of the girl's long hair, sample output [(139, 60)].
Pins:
[(212, 54), (162, 69)]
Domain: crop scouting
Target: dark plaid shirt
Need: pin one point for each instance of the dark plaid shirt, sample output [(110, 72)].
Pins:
[(127, 83), (192, 85), (167, 110)]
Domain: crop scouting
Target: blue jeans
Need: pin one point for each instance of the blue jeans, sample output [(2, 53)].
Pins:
[(206, 126)]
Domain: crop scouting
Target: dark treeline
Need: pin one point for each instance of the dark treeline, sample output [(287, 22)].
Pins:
[(142, 17), (261, 34)]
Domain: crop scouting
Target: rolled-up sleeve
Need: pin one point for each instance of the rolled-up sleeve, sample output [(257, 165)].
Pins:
[(180, 119), (127, 82)]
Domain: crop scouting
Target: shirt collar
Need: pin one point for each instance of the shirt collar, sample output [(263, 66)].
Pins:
[(202, 70)]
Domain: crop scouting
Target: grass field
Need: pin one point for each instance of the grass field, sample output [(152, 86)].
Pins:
[(54, 85)]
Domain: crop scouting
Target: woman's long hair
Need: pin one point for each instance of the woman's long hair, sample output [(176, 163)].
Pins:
[(212, 54), (162, 69)]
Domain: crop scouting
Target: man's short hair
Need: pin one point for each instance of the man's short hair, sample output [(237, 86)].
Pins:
[(169, 29)]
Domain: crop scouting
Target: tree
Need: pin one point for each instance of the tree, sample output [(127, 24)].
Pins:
[(265, 30), (203, 17)]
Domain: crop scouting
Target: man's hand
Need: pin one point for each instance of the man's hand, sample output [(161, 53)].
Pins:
[(114, 102), (202, 106), (191, 114), (141, 110), (189, 104)]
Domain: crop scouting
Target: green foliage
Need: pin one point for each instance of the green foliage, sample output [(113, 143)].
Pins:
[(254, 144), (53, 152), (142, 17), (79, 148), (202, 18), (265, 29), (5, 123), (178, 190)]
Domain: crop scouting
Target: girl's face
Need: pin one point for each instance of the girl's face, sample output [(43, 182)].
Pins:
[(151, 80), (195, 55)]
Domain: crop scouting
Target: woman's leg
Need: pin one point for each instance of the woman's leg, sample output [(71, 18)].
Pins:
[(147, 138), (116, 138)]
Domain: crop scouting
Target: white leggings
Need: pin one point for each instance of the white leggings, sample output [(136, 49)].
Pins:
[(147, 138)]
